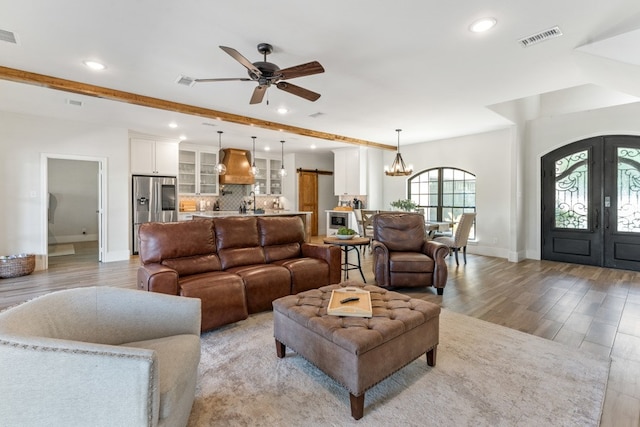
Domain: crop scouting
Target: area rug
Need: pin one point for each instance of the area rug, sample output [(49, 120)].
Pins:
[(485, 375), (60, 250)]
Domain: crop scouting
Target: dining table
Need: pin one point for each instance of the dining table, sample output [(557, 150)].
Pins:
[(437, 226)]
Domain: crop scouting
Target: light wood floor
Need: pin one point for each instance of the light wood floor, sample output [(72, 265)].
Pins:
[(588, 308)]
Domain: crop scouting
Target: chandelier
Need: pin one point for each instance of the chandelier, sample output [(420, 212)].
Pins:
[(221, 169), (398, 168), (254, 169), (283, 171)]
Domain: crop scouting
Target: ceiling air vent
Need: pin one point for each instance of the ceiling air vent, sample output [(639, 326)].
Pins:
[(185, 81), (8, 36), (540, 37), (74, 102), (316, 115)]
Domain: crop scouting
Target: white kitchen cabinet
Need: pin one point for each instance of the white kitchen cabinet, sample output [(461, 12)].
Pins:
[(149, 157), (349, 172), (197, 171), (268, 179)]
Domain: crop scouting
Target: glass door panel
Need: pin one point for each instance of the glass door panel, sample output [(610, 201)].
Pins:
[(572, 191), (187, 172), (208, 176)]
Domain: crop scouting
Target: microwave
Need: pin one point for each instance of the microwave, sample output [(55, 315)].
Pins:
[(338, 219)]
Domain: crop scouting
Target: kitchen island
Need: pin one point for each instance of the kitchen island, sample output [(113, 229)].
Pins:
[(306, 216)]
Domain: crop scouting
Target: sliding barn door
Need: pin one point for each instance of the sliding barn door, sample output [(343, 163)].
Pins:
[(308, 197)]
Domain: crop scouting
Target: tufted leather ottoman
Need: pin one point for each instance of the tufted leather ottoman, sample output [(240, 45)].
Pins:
[(357, 352)]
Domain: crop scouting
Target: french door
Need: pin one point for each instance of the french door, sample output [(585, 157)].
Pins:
[(591, 203)]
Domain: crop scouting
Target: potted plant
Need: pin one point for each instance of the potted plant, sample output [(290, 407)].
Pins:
[(345, 233), (404, 205)]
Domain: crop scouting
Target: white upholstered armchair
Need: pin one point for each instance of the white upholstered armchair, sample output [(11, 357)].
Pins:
[(99, 356)]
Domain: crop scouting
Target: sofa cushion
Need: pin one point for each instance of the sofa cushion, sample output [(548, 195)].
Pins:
[(178, 357), (168, 240), (410, 262), (403, 232), (306, 273), (194, 265), (282, 252), (222, 295), (230, 258), (263, 284), (236, 232), (280, 230)]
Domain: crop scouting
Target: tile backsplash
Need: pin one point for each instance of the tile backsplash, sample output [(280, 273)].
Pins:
[(231, 197)]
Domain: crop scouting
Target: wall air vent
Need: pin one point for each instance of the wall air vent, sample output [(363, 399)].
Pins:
[(8, 36), (540, 37), (185, 81)]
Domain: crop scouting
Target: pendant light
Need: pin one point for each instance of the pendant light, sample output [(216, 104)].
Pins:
[(283, 171), (221, 169), (253, 170), (398, 168)]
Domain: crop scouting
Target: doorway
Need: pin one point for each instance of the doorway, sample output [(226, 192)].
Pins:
[(308, 196), (73, 201), (591, 203), (309, 187)]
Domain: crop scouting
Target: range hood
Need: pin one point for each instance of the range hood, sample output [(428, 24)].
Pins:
[(238, 166)]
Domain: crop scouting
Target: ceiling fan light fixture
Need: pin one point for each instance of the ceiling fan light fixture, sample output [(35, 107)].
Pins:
[(398, 167), (221, 169), (283, 171), (253, 170)]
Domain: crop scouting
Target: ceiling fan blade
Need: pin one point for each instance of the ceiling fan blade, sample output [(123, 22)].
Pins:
[(231, 79), (301, 70), (299, 91), (241, 59), (258, 94)]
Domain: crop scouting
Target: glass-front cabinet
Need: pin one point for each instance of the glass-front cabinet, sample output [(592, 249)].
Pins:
[(268, 181), (197, 175), (275, 180), (261, 177)]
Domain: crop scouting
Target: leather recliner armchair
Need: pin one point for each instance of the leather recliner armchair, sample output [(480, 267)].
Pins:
[(402, 255)]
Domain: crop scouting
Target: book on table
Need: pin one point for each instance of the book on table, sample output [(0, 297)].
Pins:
[(350, 301)]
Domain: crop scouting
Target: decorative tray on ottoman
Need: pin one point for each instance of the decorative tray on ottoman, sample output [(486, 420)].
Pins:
[(343, 302)]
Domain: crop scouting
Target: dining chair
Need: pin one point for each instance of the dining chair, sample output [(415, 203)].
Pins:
[(460, 236), (364, 218)]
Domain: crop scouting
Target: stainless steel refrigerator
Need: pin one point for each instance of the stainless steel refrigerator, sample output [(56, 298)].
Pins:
[(154, 200)]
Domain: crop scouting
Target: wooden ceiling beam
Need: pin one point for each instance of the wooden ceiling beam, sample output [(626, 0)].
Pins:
[(35, 79)]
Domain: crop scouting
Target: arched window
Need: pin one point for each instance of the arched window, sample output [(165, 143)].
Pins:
[(444, 194)]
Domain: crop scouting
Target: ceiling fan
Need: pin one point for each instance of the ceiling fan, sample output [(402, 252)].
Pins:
[(268, 73)]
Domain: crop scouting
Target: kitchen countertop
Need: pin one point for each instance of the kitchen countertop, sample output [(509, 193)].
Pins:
[(306, 216), (268, 212)]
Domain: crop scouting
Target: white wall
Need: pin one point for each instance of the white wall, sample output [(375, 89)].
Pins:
[(488, 157), (23, 141)]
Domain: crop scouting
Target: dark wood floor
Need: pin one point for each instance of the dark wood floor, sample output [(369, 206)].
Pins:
[(588, 308)]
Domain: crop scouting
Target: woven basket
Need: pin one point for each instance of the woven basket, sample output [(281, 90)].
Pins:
[(17, 265)]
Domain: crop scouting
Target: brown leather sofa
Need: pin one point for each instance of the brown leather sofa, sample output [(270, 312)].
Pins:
[(402, 254), (235, 265)]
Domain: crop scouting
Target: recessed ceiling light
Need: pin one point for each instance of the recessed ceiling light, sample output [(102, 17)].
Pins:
[(173, 125), (313, 146), (482, 25), (282, 110), (94, 65), (267, 148), (182, 137)]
